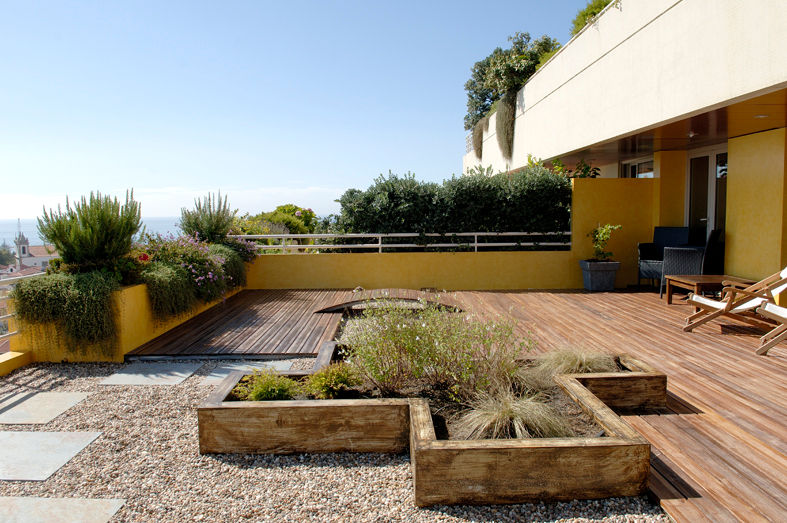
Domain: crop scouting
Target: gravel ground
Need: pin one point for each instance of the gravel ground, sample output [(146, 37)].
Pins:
[(148, 455)]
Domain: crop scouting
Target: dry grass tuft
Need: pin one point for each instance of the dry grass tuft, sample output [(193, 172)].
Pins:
[(564, 361), (505, 415)]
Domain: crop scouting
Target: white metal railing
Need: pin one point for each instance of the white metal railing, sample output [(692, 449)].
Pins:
[(378, 244), (5, 285)]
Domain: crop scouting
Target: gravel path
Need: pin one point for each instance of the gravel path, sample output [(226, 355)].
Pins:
[(148, 454)]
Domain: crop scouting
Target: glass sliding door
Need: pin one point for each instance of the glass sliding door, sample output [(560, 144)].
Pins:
[(707, 192), (698, 198)]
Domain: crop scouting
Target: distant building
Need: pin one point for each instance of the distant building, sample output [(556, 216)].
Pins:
[(32, 255)]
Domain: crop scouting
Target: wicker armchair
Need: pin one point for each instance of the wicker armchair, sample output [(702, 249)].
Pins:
[(651, 254), (680, 260)]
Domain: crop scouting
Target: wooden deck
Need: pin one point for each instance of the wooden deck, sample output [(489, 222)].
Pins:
[(718, 451), (253, 324)]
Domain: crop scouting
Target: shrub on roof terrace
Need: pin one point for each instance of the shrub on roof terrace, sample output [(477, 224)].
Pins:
[(93, 234), (531, 199), (210, 220)]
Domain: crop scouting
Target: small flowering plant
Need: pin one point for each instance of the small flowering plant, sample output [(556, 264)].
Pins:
[(246, 249), (204, 268)]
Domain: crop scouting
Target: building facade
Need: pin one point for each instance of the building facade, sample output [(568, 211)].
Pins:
[(690, 93)]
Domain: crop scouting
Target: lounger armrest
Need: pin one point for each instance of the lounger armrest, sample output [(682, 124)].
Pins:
[(648, 251)]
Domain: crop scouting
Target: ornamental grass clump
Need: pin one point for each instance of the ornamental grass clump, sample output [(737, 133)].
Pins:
[(332, 380), (267, 385), (569, 360), (503, 414)]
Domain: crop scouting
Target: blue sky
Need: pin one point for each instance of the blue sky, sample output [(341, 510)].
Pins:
[(271, 102)]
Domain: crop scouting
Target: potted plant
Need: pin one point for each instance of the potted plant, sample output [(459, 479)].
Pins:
[(598, 273)]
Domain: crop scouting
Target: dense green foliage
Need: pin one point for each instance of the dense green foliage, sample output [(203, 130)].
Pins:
[(267, 385), (503, 71), (93, 234), (170, 289), (586, 14), (600, 236), (232, 265), (396, 347), (6, 254), (478, 136), (204, 268), (532, 199), (332, 380), (210, 220), (80, 303)]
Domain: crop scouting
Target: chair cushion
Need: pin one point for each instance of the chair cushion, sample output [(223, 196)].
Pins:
[(650, 269)]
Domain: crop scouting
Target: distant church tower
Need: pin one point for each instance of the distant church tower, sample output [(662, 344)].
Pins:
[(22, 245)]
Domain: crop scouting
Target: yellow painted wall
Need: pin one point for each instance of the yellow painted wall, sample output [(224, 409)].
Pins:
[(670, 192), (135, 323), (627, 202), (10, 361), (756, 213), (624, 201)]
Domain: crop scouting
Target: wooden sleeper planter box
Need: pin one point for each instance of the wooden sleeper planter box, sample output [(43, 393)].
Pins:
[(453, 471)]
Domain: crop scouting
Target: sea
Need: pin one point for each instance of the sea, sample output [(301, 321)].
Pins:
[(29, 227)]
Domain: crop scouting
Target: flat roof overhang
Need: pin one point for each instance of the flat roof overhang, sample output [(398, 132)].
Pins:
[(710, 126)]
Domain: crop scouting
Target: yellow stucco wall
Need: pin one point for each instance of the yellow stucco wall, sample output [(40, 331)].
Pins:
[(10, 361), (756, 214), (627, 202), (135, 323), (670, 191)]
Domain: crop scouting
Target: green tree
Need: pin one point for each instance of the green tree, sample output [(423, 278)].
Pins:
[(508, 71), (502, 71), (585, 15), (479, 97), (6, 255)]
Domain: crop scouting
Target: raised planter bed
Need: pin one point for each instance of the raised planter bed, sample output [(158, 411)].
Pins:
[(451, 471)]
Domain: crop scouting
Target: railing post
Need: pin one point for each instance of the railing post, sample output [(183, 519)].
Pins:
[(380, 243), (475, 242)]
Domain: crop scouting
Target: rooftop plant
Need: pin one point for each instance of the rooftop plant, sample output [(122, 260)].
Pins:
[(93, 234), (587, 14), (600, 236), (210, 220)]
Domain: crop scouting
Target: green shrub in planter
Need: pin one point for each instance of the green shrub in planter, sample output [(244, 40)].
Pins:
[(93, 234), (80, 303), (267, 385), (234, 268), (169, 288), (329, 382)]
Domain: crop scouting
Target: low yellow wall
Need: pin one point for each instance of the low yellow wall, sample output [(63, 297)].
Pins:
[(627, 202), (10, 361), (441, 270), (135, 323)]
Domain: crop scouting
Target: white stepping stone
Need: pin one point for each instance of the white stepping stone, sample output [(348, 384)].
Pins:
[(60, 510), (34, 456), (157, 373), (222, 371), (36, 408)]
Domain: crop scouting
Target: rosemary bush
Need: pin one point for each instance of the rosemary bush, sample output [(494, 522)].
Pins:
[(93, 234), (210, 220)]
